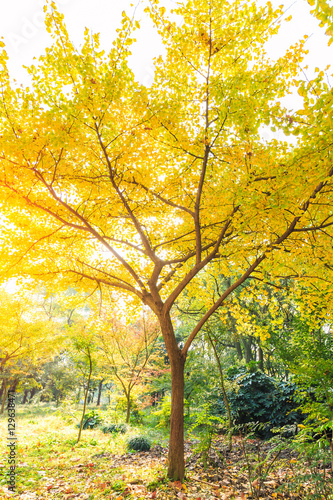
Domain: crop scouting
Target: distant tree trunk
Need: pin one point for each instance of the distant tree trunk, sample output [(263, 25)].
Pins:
[(247, 349), (153, 399), (85, 396), (239, 350), (128, 406), (14, 385), (2, 387), (261, 358), (32, 393), (25, 396), (100, 386)]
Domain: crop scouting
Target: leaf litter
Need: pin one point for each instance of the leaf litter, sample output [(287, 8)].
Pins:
[(142, 475)]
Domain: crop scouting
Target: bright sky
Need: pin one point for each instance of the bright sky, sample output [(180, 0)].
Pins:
[(21, 25)]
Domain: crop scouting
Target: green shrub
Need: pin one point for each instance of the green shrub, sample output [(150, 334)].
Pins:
[(260, 398), (92, 419), (205, 427), (115, 428), (136, 416), (163, 413), (234, 372), (138, 443)]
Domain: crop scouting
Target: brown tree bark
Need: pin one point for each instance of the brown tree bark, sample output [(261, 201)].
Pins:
[(247, 343), (25, 396), (14, 385), (4, 396), (32, 393), (261, 358), (176, 464), (2, 387)]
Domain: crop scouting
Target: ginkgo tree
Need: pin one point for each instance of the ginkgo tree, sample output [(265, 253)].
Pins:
[(83, 354), (25, 331), (108, 183)]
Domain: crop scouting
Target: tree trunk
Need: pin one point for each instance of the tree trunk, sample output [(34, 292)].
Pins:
[(25, 396), (261, 358), (247, 349), (128, 407), (239, 350), (14, 385), (176, 443), (100, 386), (32, 393), (4, 397), (176, 465), (3, 385)]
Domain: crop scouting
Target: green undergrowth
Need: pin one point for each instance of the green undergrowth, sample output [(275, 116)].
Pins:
[(47, 452)]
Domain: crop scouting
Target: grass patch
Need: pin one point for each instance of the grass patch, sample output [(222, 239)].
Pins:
[(50, 462)]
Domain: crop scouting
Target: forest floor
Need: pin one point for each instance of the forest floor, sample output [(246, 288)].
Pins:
[(50, 465)]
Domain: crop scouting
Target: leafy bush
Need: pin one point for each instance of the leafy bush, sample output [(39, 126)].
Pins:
[(115, 428), (92, 419), (205, 425), (163, 412), (236, 371), (136, 416), (138, 443)]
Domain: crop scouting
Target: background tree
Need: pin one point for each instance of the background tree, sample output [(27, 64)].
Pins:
[(127, 350), (58, 379), (27, 339), (83, 355)]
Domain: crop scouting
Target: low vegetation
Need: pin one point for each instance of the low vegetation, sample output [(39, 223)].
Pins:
[(115, 461)]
